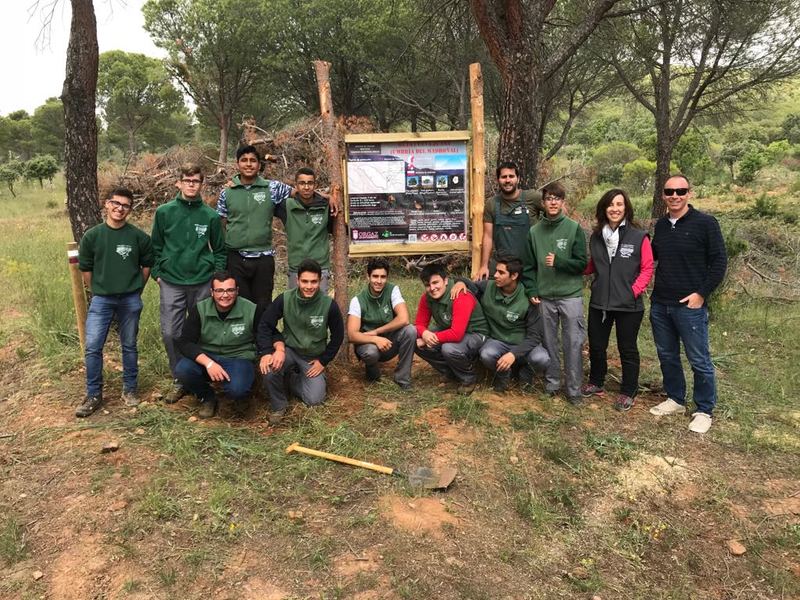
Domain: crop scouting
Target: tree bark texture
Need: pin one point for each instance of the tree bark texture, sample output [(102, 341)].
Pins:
[(80, 136), (333, 160)]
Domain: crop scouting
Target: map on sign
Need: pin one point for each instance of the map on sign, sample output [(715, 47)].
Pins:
[(388, 176)]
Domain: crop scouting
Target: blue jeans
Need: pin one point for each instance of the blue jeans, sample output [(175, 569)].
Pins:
[(671, 326), (127, 308), (194, 377)]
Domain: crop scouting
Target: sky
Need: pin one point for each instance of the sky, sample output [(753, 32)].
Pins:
[(32, 72)]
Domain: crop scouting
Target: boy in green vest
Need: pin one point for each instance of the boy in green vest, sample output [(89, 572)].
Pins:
[(115, 258), (515, 326), (189, 246), (377, 325), (307, 220), (218, 344), (450, 332), (247, 208), (298, 354), (553, 278)]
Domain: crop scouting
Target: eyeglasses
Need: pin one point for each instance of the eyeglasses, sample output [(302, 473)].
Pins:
[(676, 191), (119, 205), (551, 198), (192, 181), (228, 291), (305, 184)]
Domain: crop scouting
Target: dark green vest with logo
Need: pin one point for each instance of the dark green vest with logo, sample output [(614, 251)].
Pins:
[(442, 313), (305, 322), (505, 314), (376, 311), (250, 212), (307, 233), (232, 337)]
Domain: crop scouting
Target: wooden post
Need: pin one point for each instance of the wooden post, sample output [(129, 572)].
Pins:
[(478, 180), (333, 162), (78, 293)]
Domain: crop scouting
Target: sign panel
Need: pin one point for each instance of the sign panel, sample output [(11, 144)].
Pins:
[(407, 196)]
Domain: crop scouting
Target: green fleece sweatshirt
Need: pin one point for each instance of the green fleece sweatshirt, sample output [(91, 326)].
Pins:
[(115, 258), (188, 242), (564, 279)]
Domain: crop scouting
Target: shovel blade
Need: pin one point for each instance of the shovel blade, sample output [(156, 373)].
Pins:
[(432, 479)]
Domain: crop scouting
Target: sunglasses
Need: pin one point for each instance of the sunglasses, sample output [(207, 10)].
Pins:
[(676, 191)]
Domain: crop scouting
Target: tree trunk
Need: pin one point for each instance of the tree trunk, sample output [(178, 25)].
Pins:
[(131, 142), (224, 126), (80, 127), (664, 147), (519, 115)]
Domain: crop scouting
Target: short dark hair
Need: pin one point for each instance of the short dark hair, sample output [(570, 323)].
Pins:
[(192, 169), (305, 171), (377, 262), (248, 149), (506, 164), (223, 276), (122, 191), (554, 188), (429, 271), (605, 202), (512, 263), (309, 265)]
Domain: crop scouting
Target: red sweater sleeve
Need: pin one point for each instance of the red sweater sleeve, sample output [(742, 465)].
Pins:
[(423, 318), (589, 267), (462, 311), (645, 268)]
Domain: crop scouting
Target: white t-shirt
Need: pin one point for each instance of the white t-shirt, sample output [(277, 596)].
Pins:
[(355, 305)]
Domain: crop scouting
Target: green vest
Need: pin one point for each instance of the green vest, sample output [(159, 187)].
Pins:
[(307, 233), (233, 337), (505, 314), (442, 313), (250, 212), (305, 322), (376, 311)]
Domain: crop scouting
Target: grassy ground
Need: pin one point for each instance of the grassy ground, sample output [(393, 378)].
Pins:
[(550, 502)]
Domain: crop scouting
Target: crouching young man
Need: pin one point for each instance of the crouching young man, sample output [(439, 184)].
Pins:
[(218, 344), (450, 331), (297, 355), (377, 325)]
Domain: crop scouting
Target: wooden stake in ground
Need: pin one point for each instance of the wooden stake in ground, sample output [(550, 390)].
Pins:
[(78, 293), (478, 179), (333, 163)]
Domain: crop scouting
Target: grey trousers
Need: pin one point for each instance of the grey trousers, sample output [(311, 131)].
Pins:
[(454, 359), (176, 300), (403, 343), (311, 390), (568, 312), (537, 359), (324, 282)]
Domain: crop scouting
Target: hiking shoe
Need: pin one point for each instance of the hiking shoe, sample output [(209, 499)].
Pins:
[(668, 407), (700, 423), (275, 417), (89, 405), (130, 399), (465, 389), (590, 389), (576, 401), (406, 387), (624, 403), (501, 385), (175, 393), (207, 408), (373, 372)]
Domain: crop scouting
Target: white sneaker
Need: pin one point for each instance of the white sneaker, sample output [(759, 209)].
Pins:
[(701, 422), (668, 407)]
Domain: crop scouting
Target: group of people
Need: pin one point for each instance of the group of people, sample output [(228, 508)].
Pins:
[(215, 270)]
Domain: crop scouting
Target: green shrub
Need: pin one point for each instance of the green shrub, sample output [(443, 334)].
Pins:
[(766, 206), (608, 159), (638, 175)]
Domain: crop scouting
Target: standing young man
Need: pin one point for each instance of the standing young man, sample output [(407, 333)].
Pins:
[(115, 258), (555, 257), (308, 224), (312, 333), (506, 218), (378, 328), (450, 331), (189, 246), (692, 260), (247, 209)]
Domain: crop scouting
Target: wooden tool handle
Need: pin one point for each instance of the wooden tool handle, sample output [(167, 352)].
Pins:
[(295, 447)]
